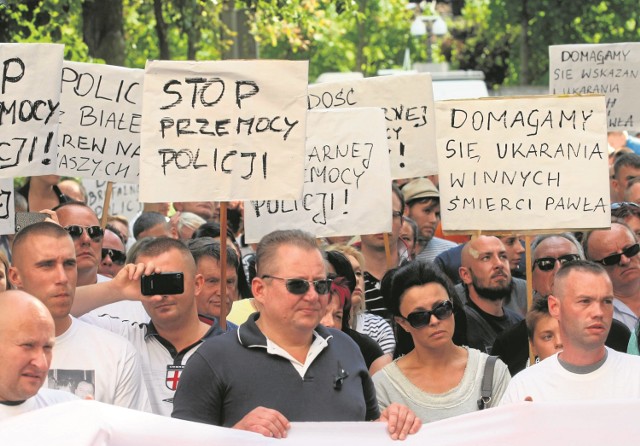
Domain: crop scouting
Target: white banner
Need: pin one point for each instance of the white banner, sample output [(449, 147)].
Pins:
[(29, 108), (7, 208), (230, 130), (100, 122), (612, 69), (525, 163), (407, 101), (346, 183), (124, 198)]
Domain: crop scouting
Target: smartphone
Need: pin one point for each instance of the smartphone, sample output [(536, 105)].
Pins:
[(24, 219), (162, 283)]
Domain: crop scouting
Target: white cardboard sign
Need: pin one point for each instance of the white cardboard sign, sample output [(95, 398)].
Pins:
[(100, 122), (407, 101), (612, 69), (229, 130), (346, 182), (525, 163), (29, 107)]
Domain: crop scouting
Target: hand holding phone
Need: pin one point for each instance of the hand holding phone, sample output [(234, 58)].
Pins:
[(162, 283)]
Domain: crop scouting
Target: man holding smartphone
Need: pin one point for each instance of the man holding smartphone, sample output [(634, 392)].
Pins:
[(175, 331)]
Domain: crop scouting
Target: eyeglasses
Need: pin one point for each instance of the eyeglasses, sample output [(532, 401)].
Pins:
[(624, 208), (117, 257), (441, 311), (614, 259), (548, 263), (396, 214), (95, 233), (301, 286)]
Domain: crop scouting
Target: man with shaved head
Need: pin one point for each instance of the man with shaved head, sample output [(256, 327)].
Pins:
[(27, 336), (486, 278), (582, 302)]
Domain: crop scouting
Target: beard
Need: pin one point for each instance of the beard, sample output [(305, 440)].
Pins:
[(493, 293)]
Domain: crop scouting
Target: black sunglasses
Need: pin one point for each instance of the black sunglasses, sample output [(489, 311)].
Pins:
[(95, 233), (117, 257), (419, 319), (624, 209), (614, 259), (548, 263), (301, 286)]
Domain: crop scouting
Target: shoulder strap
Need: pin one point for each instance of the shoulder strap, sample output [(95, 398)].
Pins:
[(487, 382)]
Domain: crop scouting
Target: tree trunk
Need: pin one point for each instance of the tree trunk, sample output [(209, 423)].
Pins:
[(103, 30), (525, 48), (161, 31)]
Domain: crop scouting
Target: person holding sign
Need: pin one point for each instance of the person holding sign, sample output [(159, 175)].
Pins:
[(582, 302), (437, 379), (486, 276), (299, 370)]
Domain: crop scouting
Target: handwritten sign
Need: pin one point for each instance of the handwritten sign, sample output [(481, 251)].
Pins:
[(7, 209), (526, 163), (407, 102), (231, 130), (124, 198), (29, 107), (100, 123), (346, 180), (610, 69)]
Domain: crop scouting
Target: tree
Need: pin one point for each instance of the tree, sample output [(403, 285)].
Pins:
[(103, 30)]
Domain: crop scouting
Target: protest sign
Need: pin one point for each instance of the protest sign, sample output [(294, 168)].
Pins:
[(124, 198), (100, 122), (612, 69), (407, 101), (346, 182), (526, 163), (230, 130), (29, 107), (7, 210)]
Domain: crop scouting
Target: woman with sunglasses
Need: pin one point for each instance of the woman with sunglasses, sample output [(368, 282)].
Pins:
[(437, 379)]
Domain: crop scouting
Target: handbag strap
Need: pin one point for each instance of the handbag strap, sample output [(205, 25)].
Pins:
[(487, 382)]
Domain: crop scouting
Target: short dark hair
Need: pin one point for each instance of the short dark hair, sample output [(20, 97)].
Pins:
[(626, 160), (146, 221), (269, 244), (396, 190), (539, 308), (209, 247), (413, 274), (40, 228), (586, 266), (343, 268), (155, 246), (115, 230)]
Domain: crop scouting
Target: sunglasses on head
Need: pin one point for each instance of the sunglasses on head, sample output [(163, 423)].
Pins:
[(614, 259), (624, 209), (301, 286), (419, 319), (95, 233), (548, 263), (117, 257)]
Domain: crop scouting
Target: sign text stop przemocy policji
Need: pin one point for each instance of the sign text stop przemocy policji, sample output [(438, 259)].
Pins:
[(527, 163), (230, 130)]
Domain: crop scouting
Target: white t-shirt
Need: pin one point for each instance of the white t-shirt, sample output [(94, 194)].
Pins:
[(44, 398), (88, 360), (616, 378)]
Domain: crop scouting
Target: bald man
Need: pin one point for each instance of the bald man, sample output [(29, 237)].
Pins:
[(487, 284), (27, 335)]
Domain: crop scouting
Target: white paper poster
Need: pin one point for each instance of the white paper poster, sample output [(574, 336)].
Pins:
[(611, 69), (100, 122), (7, 209), (226, 130), (525, 163), (407, 101), (29, 107), (347, 182), (124, 198)]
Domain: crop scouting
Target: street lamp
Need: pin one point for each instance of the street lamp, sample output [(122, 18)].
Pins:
[(429, 25)]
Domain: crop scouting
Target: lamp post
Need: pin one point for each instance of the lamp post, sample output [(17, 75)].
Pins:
[(429, 25)]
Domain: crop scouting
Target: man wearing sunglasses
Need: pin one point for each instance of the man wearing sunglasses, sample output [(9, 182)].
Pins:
[(114, 254), (582, 302), (617, 250), (282, 358)]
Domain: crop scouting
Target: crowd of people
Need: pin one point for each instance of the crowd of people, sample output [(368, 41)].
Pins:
[(408, 327)]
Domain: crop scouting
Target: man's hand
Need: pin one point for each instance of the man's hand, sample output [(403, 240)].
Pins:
[(127, 282), (268, 422), (401, 421)]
